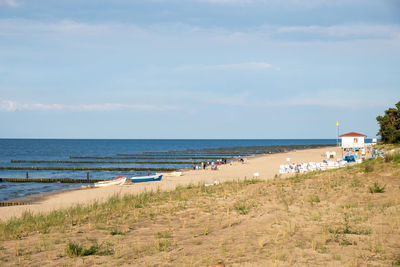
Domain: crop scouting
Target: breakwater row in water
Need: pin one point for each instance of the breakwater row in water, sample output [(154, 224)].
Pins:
[(120, 157), (171, 154), (47, 180), (8, 204), (84, 168), (105, 161)]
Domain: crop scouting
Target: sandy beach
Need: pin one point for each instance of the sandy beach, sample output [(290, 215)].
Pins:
[(267, 166)]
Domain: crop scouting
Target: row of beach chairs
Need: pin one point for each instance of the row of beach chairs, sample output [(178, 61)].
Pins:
[(311, 166)]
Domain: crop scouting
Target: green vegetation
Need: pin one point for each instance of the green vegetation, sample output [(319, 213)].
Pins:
[(376, 188), (368, 167), (76, 250), (313, 199), (393, 157), (242, 207), (162, 244), (396, 262), (165, 234), (390, 125), (117, 232)]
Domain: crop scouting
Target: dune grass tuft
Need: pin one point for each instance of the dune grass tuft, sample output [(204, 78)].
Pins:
[(76, 250), (376, 188)]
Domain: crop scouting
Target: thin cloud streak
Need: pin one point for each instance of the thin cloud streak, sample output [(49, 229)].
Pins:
[(247, 101), (329, 103), (248, 66), (70, 28), (290, 3), (13, 106), (345, 31)]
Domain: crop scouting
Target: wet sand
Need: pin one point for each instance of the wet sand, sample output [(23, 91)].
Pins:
[(266, 165)]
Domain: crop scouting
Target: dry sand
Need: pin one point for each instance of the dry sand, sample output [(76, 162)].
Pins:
[(267, 166)]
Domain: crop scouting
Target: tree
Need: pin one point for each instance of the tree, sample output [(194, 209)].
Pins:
[(390, 125)]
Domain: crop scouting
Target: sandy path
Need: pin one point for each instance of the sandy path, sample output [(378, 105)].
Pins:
[(267, 166)]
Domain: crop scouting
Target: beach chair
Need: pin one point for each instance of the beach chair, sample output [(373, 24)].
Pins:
[(332, 165), (323, 166)]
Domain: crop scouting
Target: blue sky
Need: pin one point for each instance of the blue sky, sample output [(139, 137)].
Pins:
[(196, 68)]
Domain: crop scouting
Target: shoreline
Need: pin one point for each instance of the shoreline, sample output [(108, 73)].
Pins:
[(37, 197), (266, 165)]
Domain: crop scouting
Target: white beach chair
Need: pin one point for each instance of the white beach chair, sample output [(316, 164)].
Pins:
[(323, 166), (333, 165)]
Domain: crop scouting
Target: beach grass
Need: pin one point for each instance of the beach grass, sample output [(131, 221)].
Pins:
[(308, 219)]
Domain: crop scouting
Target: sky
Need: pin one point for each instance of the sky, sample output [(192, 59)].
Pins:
[(240, 69)]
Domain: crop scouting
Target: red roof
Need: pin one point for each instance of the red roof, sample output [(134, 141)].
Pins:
[(353, 134)]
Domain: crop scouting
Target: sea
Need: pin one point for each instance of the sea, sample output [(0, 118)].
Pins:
[(64, 149)]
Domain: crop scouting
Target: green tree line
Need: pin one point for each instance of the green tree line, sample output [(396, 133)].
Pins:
[(390, 125)]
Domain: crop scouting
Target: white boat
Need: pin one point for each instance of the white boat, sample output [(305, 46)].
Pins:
[(120, 180), (142, 179), (175, 173)]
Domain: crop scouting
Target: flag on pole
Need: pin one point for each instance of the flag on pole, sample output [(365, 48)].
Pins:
[(337, 123)]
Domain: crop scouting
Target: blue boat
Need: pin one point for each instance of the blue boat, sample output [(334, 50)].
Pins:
[(142, 179)]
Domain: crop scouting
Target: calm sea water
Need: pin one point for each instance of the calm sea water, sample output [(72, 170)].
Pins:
[(62, 149)]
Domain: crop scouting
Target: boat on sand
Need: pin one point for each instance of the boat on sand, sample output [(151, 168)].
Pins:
[(120, 180), (150, 178)]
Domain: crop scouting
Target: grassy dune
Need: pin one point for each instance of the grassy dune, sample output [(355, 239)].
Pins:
[(348, 217)]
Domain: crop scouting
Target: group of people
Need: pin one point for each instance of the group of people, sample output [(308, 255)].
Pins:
[(213, 164)]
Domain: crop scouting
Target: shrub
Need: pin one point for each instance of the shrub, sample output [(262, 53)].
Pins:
[(376, 188), (393, 157), (368, 167), (162, 244), (242, 207), (396, 261), (76, 250), (313, 199), (116, 232), (165, 234)]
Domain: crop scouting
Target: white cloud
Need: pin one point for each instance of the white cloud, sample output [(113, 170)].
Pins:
[(250, 100), (326, 102), (344, 31), (7, 105), (12, 106), (248, 66), (168, 33), (9, 3), (230, 1), (292, 3)]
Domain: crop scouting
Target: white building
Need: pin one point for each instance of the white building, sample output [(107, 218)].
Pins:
[(353, 140)]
